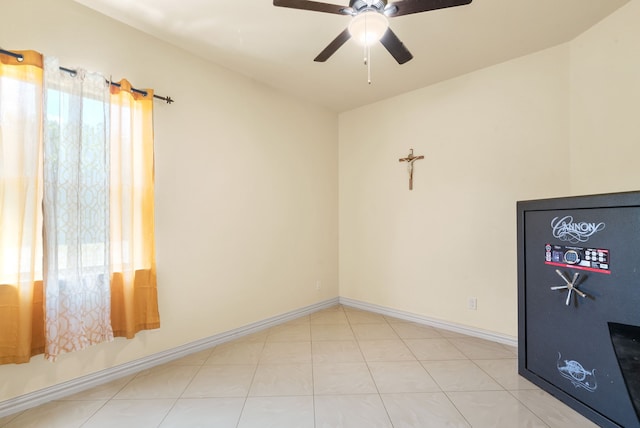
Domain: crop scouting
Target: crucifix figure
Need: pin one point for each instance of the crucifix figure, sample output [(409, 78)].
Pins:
[(411, 159)]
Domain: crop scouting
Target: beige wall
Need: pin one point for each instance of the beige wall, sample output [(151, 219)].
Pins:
[(560, 122), (246, 188), (605, 104), (489, 138)]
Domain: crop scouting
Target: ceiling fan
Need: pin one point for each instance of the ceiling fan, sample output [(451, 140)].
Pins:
[(369, 21)]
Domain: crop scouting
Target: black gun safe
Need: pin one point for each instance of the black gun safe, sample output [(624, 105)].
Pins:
[(579, 303)]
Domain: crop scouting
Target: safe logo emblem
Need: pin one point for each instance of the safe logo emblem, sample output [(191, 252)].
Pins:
[(565, 229), (576, 373)]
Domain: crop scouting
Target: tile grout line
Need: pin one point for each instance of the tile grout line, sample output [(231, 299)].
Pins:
[(185, 388), (253, 377), (108, 400), (527, 407), (366, 362), (313, 377)]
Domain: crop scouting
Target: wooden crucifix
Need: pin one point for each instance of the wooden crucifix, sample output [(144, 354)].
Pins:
[(410, 160)]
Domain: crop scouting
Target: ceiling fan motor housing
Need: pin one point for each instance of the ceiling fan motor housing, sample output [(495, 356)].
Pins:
[(361, 5)]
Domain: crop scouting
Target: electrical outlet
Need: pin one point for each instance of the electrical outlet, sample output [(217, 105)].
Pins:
[(318, 285), (472, 303)]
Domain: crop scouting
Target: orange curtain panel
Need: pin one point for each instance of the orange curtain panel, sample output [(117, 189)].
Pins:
[(21, 310), (134, 295)]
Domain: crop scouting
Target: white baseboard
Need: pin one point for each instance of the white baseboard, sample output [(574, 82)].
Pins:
[(432, 322), (83, 383)]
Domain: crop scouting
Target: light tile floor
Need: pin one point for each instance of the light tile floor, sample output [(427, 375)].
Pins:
[(338, 367)]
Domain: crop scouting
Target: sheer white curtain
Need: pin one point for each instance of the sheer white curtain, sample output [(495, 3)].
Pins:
[(76, 210)]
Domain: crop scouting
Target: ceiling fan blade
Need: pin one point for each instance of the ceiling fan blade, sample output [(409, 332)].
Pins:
[(312, 5), (333, 46), (407, 7), (395, 47)]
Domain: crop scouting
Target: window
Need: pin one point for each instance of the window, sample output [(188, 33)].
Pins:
[(80, 172)]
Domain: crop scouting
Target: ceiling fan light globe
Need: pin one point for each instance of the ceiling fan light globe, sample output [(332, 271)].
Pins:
[(368, 27)]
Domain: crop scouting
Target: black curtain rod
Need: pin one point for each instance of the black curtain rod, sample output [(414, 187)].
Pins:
[(20, 58)]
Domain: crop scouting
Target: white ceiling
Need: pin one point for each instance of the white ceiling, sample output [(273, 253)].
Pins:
[(277, 45)]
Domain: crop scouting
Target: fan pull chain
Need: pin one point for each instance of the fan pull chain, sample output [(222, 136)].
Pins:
[(367, 50), (369, 65), (367, 62)]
